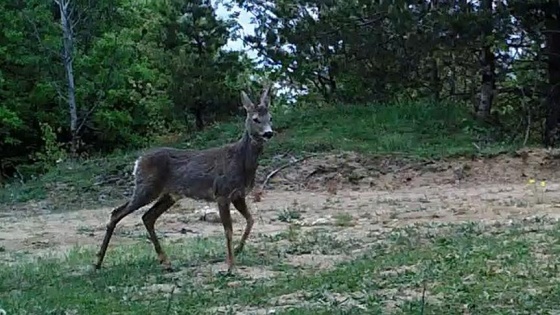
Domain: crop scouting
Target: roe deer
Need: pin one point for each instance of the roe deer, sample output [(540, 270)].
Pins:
[(224, 175)]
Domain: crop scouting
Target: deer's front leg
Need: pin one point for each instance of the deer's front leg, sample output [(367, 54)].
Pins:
[(225, 216), (241, 206)]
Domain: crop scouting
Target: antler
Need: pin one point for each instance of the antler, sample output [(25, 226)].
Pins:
[(264, 94)]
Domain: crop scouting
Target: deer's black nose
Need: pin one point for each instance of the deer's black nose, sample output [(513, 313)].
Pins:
[(268, 134)]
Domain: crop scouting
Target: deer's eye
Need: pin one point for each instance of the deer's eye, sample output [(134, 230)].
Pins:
[(256, 120)]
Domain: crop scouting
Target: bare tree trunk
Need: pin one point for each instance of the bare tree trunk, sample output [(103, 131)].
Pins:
[(552, 32), (199, 120), (435, 85), (434, 78), (488, 83), (68, 59), (453, 74)]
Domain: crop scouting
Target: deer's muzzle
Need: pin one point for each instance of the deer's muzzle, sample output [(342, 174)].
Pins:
[(268, 134)]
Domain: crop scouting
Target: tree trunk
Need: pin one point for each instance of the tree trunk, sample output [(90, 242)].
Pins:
[(488, 83), (434, 79), (552, 48), (198, 119), (435, 86), (68, 59)]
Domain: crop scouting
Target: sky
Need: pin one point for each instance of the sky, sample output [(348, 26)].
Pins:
[(248, 28), (244, 20)]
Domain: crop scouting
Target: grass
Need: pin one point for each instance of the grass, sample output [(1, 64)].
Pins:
[(417, 129), (462, 269), (409, 129)]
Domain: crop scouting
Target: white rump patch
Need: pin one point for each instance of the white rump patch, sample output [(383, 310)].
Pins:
[(135, 171)]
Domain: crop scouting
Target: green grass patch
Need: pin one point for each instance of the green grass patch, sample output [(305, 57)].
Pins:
[(463, 268), (417, 129)]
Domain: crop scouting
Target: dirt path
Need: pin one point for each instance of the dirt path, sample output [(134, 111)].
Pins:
[(360, 211), (346, 192)]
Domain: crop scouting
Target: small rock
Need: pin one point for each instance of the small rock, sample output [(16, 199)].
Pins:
[(532, 291), (299, 222), (322, 221), (212, 217), (41, 243), (234, 284), (163, 288), (185, 231)]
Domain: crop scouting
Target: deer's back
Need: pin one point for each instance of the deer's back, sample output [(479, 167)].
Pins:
[(190, 173)]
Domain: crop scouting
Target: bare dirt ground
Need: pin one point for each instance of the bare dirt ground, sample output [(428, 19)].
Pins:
[(355, 196)]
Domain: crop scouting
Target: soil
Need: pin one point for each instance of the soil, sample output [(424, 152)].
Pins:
[(356, 195)]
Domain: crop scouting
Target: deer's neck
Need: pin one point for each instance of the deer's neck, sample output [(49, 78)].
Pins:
[(250, 151)]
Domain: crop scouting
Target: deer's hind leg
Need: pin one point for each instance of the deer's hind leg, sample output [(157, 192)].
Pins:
[(149, 218), (241, 205), (137, 201), (225, 216)]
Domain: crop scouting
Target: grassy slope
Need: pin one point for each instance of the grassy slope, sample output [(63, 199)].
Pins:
[(412, 129), (465, 269)]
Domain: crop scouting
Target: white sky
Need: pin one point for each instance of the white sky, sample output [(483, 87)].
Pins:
[(244, 20)]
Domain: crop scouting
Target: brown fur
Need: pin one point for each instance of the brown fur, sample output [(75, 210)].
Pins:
[(224, 175)]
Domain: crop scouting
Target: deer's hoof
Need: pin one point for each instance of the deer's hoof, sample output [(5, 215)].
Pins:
[(226, 273), (167, 269), (166, 266), (231, 269)]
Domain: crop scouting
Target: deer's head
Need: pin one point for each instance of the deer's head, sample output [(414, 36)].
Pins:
[(258, 122)]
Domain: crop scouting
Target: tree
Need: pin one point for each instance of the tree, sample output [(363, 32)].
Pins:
[(200, 66), (488, 66), (67, 26), (83, 75)]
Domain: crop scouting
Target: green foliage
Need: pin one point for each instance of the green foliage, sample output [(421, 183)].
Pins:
[(199, 68), (139, 71), (10, 122), (361, 52), (413, 129), (52, 152)]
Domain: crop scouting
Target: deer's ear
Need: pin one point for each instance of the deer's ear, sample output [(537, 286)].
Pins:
[(249, 106)]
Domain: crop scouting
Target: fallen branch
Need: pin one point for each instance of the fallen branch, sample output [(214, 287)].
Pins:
[(477, 146), (407, 167), (321, 170), (276, 171)]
